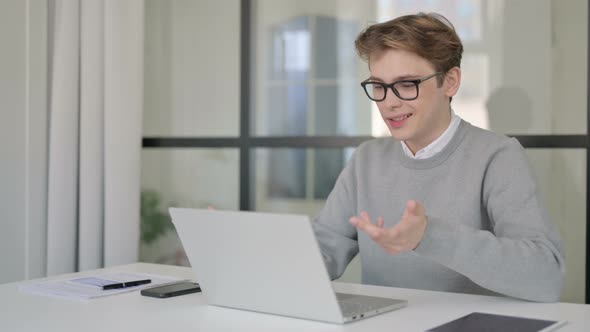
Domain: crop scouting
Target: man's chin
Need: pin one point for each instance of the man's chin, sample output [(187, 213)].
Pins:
[(399, 134)]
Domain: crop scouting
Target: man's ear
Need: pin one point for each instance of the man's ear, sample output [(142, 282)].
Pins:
[(452, 81)]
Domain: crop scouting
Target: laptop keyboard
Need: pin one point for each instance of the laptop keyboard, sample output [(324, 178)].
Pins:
[(353, 309)]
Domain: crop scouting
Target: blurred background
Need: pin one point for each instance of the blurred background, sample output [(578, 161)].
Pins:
[(256, 104), (524, 73)]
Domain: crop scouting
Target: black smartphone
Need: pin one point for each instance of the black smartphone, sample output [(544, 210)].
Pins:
[(170, 290)]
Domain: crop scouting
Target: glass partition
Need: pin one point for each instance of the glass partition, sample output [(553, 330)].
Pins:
[(191, 178), (307, 74), (192, 68)]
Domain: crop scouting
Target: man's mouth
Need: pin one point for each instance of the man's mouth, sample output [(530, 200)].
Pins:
[(398, 121)]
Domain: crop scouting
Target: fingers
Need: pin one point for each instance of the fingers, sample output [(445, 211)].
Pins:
[(410, 206), (363, 223), (366, 216), (413, 208), (380, 222), (363, 219), (401, 237)]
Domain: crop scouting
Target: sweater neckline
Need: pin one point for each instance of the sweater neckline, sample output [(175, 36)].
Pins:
[(438, 158)]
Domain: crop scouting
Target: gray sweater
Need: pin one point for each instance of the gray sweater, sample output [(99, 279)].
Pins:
[(488, 230)]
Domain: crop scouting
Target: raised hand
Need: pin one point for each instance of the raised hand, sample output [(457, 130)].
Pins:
[(405, 236)]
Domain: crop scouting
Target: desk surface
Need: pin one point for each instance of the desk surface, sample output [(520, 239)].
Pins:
[(133, 312)]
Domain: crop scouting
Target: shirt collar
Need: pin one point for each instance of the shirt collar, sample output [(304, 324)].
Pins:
[(438, 144)]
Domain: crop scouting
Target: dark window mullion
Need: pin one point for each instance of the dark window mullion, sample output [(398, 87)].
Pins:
[(248, 142), (588, 159), (245, 104)]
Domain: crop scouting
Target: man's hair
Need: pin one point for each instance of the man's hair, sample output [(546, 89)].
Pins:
[(431, 36)]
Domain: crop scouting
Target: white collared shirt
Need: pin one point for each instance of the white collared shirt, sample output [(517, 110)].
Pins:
[(438, 144)]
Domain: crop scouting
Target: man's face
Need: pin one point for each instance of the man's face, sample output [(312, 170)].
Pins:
[(417, 122)]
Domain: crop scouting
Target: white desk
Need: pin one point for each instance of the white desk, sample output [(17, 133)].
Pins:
[(133, 312)]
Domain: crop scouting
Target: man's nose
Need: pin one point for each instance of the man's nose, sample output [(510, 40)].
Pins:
[(391, 99)]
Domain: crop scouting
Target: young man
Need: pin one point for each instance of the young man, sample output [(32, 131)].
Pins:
[(444, 205)]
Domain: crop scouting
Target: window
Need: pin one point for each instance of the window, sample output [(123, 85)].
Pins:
[(262, 98)]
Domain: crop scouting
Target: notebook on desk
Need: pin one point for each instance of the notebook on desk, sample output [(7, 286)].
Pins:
[(268, 263)]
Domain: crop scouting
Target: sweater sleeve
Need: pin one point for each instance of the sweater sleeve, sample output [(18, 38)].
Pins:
[(521, 256), (337, 239)]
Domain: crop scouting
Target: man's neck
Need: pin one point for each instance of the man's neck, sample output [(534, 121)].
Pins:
[(437, 132)]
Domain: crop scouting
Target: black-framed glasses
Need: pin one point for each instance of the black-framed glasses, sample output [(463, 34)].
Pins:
[(404, 90)]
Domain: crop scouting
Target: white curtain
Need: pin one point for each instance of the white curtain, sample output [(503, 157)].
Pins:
[(95, 89)]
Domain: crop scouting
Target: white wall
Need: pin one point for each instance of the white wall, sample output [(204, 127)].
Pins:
[(22, 138), (569, 63), (525, 68)]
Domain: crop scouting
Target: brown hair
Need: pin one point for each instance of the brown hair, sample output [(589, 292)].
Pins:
[(431, 36)]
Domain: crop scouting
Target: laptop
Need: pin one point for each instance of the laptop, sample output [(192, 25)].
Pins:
[(268, 263)]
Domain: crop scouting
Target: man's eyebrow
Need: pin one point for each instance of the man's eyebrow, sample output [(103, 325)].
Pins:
[(399, 78), (373, 78)]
